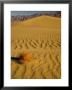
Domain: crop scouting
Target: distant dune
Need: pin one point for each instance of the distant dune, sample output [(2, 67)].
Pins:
[(41, 38), (41, 21), (25, 17)]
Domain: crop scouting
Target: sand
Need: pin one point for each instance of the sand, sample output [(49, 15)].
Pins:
[(41, 38)]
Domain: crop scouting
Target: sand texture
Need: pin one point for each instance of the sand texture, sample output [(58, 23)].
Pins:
[(41, 38)]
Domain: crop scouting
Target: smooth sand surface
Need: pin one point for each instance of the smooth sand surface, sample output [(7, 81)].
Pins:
[(40, 37)]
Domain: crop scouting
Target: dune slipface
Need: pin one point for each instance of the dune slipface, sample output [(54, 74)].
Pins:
[(41, 37)]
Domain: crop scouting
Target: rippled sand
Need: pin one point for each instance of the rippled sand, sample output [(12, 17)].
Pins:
[(41, 37)]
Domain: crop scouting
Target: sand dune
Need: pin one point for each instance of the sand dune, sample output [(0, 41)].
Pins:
[(41, 37)]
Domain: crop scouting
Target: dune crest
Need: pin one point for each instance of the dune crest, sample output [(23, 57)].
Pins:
[(41, 37), (41, 21)]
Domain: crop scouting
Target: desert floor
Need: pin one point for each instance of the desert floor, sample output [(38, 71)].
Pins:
[(41, 38)]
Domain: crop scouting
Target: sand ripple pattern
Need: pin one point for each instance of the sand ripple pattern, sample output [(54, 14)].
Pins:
[(45, 61), (44, 44)]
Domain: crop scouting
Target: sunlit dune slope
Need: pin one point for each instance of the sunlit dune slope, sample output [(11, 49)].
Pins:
[(41, 21), (40, 38)]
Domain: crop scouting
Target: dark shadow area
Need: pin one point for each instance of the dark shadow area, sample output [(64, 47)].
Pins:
[(16, 59)]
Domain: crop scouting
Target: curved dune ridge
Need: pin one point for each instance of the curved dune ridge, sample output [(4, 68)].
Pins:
[(40, 39), (41, 21)]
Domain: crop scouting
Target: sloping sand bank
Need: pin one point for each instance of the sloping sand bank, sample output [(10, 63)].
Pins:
[(41, 37)]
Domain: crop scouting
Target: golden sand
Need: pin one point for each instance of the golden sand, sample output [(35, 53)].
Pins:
[(40, 39)]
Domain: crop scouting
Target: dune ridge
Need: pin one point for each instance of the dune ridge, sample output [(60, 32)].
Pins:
[(41, 36)]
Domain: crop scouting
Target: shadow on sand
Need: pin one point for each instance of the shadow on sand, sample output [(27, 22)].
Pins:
[(16, 59)]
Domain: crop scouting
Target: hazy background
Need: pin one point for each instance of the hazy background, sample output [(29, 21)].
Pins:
[(27, 13)]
